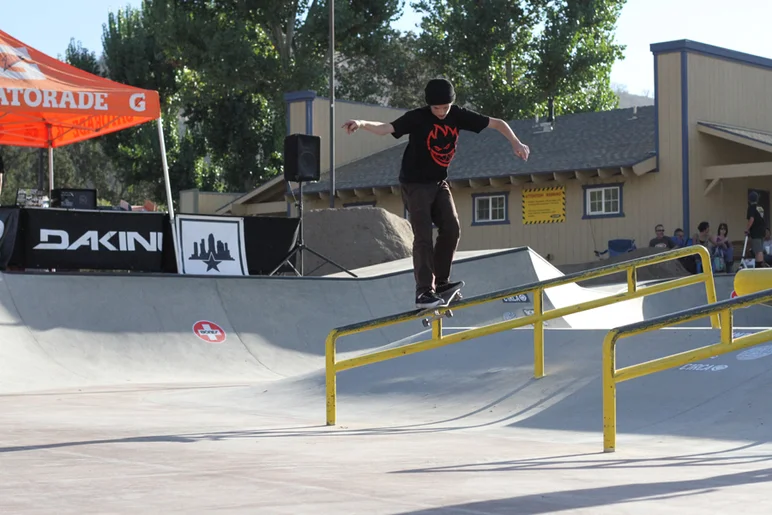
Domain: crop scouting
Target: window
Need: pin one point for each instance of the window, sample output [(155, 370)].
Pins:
[(603, 201), (490, 209)]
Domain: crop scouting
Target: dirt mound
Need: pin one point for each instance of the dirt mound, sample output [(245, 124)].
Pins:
[(666, 270), (354, 237)]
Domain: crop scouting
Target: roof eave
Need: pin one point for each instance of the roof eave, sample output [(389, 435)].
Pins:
[(636, 167)]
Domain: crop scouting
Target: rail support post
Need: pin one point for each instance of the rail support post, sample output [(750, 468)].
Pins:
[(331, 379), (710, 284), (632, 279), (725, 317), (538, 334), (609, 395), (437, 329)]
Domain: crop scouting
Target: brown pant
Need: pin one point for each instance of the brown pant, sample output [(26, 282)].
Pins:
[(427, 203)]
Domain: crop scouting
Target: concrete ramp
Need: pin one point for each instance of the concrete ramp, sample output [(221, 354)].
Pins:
[(68, 331), (621, 313), (758, 316), (488, 384), (87, 331), (486, 271)]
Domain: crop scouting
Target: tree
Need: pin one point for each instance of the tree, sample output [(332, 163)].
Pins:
[(502, 65), (236, 59), (574, 54), (86, 164), (228, 79), (21, 171), (134, 56), (396, 76), (81, 57)]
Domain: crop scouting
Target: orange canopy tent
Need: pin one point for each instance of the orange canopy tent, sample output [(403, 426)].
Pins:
[(46, 103)]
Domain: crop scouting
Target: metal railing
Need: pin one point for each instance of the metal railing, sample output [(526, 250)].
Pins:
[(613, 376), (332, 366)]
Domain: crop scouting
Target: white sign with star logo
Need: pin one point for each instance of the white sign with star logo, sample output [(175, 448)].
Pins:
[(211, 245)]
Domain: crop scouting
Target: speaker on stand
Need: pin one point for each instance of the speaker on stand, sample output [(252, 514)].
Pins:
[(302, 158)]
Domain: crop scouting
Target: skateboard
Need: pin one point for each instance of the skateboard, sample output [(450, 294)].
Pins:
[(443, 310)]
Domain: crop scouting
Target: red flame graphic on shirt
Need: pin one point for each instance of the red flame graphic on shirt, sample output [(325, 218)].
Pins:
[(441, 143)]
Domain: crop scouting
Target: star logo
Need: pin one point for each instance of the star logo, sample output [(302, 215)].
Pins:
[(211, 251), (212, 263)]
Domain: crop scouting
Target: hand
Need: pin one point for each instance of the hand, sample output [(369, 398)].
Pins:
[(521, 151), (351, 126)]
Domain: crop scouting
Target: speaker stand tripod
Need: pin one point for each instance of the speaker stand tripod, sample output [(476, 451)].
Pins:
[(300, 246)]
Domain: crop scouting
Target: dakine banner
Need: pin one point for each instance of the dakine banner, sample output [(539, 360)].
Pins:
[(100, 240), (211, 245), (268, 241), (9, 226)]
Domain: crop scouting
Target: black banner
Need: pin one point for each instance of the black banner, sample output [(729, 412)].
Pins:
[(267, 241), (99, 240), (9, 230)]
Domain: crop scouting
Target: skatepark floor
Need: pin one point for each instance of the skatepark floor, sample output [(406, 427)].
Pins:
[(137, 452), (109, 404)]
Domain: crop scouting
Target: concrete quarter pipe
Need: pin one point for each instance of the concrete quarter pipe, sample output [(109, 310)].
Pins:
[(133, 394)]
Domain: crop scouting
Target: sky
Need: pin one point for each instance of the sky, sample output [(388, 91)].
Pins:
[(743, 25)]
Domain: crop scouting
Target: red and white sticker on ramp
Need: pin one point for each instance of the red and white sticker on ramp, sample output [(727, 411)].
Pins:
[(209, 331)]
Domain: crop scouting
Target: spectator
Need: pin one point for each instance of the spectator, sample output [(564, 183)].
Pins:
[(679, 239), (767, 247), (661, 241), (724, 249), (703, 237)]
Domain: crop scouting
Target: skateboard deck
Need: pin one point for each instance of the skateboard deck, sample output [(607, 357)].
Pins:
[(443, 310)]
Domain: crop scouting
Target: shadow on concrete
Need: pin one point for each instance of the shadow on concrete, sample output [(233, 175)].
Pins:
[(307, 431), (553, 502), (732, 456)]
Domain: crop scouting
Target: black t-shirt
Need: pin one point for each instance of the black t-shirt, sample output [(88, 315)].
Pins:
[(759, 227), (663, 242), (432, 143)]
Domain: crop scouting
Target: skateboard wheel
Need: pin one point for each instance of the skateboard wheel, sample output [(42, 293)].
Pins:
[(426, 322), (449, 314)]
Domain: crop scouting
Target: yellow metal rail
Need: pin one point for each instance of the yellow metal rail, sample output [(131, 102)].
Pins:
[(612, 376), (538, 318), (751, 280)]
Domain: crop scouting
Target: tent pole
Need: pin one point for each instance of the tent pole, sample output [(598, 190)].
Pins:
[(166, 168), (170, 206), (50, 164), (332, 104)]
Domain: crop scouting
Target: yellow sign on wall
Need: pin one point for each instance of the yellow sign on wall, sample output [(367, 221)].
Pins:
[(544, 205)]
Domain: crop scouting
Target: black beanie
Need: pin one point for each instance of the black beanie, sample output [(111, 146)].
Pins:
[(439, 92)]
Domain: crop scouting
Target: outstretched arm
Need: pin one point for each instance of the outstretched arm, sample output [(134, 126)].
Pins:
[(503, 127), (379, 128)]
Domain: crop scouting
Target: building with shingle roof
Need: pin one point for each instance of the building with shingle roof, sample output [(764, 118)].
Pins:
[(585, 142), (591, 179)]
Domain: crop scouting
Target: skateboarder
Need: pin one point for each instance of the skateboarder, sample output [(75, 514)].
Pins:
[(433, 132)]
